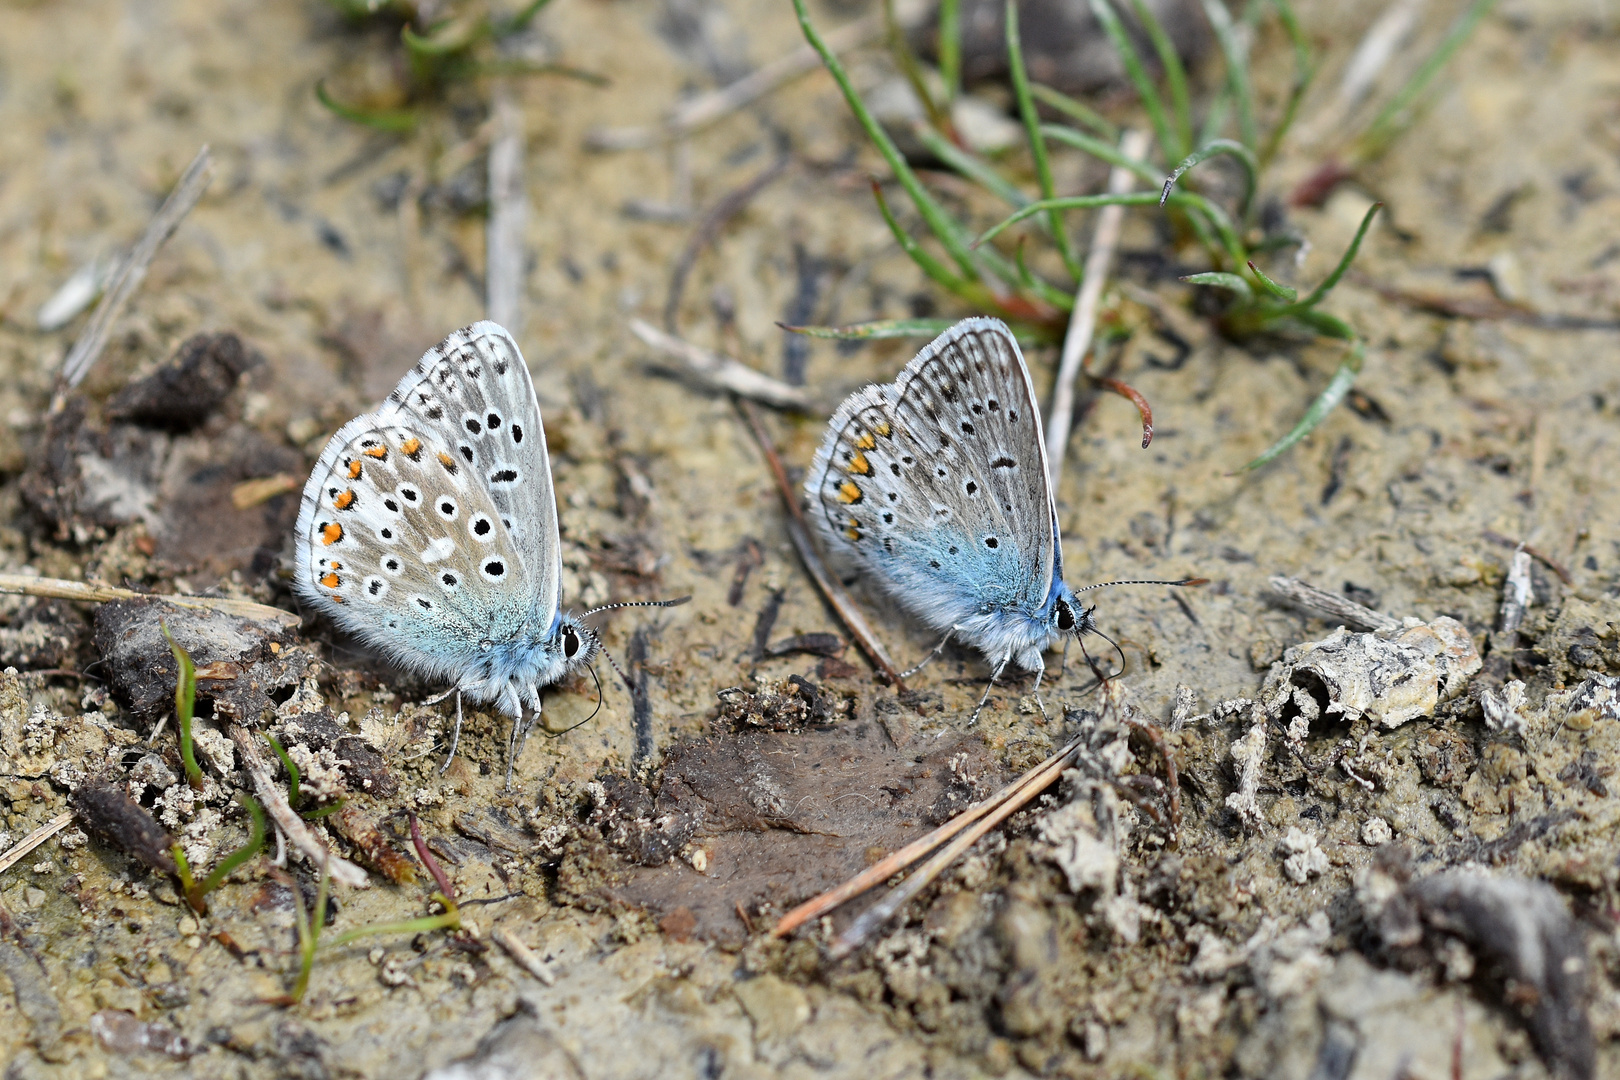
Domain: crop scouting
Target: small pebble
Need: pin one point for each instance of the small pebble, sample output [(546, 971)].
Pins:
[(1376, 831)]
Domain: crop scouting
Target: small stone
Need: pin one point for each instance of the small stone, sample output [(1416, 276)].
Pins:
[(1306, 859), (1376, 831)]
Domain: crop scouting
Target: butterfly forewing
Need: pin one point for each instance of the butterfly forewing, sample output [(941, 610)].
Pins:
[(939, 481), (473, 394)]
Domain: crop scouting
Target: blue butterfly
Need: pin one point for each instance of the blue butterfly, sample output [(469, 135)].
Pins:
[(428, 529), (936, 488)]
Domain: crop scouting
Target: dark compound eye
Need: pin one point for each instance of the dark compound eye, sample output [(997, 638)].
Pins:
[(1065, 617), (570, 643)]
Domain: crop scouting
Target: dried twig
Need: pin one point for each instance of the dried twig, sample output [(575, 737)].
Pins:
[(1083, 324), (524, 956), (508, 214), (1536, 553), (714, 219), (799, 533), (879, 913), (130, 273), (262, 489), (897, 861), (60, 589), (1518, 593), (1334, 606), (34, 839), (705, 109), (293, 827), (722, 372)]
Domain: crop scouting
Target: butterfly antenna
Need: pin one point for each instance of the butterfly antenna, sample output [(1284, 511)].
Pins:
[(677, 602), (1144, 581), (588, 719), (1092, 664)]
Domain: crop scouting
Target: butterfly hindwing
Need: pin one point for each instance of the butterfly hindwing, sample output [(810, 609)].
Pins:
[(937, 484)]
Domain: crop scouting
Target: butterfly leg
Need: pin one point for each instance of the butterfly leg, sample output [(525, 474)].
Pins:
[(455, 736), (974, 719), (521, 724), (910, 671)]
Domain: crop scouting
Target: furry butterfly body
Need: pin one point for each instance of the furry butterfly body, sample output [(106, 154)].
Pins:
[(428, 528), (935, 487)]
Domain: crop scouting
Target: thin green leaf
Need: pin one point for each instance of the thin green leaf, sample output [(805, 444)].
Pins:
[(520, 22), (1059, 299), (937, 271), (875, 331), (1215, 119), (1221, 148), (292, 770), (1109, 20), (1078, 111), (1237, 68), (391, 120), (1037, 141), (1395, 117), (1277, 289), (442, 41), (185, 701), (971, 167), (1174, 74), (449, 919), (1345, 260), (1222, 280), (912, 69), (1325, 403), (1068, 202), (242, 854), (1097, 148), (1304, 73), (944, 227), (950, 47)]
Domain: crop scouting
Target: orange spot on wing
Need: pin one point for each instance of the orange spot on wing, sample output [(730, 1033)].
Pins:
[(883, 428), (448, 462), (864, 441), (335, 598), (378, 452), (848, 492), (860, 465), (411, 447), (354, 469), (854, 530), (345, 500), (331, 581), (331, 533)]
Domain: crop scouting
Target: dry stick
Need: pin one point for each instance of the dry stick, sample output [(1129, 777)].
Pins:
[(130, 273), (722, 372), (1388, 33), (509, 212), (1083, 324), (1347, 611), (524, 956), (879, 913), (250, 493), (706, 108), (34, 839), (897, 861), (60, 589), (292, 826), (714, 219), (799, 533), (1541, 556)]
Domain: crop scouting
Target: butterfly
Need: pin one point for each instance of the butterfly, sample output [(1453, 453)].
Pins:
[(428, 530), (935, 488)]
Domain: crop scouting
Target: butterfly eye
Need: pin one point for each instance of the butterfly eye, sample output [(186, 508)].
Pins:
[(570, 643), (1065, 617)]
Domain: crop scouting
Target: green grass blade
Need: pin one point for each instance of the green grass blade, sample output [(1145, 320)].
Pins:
[(185, 703), (1349, 256), (1237, 69), (876, 331), (971, 167), (1215, 119), (937, 271), (429, 46), (242, 854), (1068, 202), (944, 227), (1325, 403), (1222, 148), (1056, 297), (1222, 281), (399, 121), (1304, 73), (1037, 141), (950, 47), (1175, 76), (1277, 289), (520, 22), (1109, 20), (292, 770), (1397, 115), (1078, 111), (912, 69), (1104, 151)]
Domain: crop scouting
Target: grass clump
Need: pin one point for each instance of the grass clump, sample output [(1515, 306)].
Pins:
[(1225, 227)]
